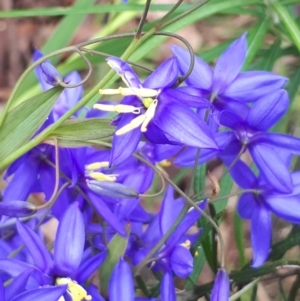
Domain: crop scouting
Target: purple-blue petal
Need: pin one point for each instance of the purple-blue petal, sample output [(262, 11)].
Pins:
[(220, 291), (181, 123), (248, 180), (20, 186), (285, 142), (167, 288), (47, 293), (261, 229), (186, 95), (246, 205), (101, 207), (69, 242), (286, 207), (181, 261), (94, 292), (230, 119), (36, 247), (201, 76), (268, 110), (87, 268), (169, 211), (38, 70), (121, 282), (229, 65), (274, 171), (251, 85), (124, 145), (124, 71), (164, 76), (17, 286)]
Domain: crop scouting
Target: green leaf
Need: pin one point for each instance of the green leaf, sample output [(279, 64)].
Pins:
[(225, 188), (24, 120), (66, 29), (87, 9), (199, 260), (289, 22), (271, 56), (84, 129), (255, 40), (199, 179), (279, 249), (116, 249)]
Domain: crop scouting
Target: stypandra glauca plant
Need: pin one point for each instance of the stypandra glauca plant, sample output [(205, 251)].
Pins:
[(102, 158)]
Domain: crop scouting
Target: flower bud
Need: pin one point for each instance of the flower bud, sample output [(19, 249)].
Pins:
[(17, 208), (121, 285), (112, 189), (220, 291), (50, 74)]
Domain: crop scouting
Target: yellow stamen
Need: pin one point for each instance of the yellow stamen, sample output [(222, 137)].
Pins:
[(117, 108), (141, 92), (75, 291), (149, 115), (109, 91), (196, 253), (136, 122), (186, 244), (165, 163), (102, 177), (97, 165)]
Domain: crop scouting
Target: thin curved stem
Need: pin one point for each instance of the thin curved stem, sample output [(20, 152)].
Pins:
[(91, 51), (191, 204), (142, 20), (85, 79), (56, 185), (161, 22), (190, 49), (157, 193)]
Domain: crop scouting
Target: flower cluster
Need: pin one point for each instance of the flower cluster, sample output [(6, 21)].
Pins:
[(97, 195)]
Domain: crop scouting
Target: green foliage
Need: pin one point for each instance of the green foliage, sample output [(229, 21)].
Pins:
[(24, 120)]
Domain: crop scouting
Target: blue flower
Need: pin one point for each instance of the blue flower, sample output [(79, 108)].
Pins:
[(121, 282), (67, 265), (69, 97), (226, 86), (175, 254), (259, 205), (220, 291), (147, 109), (250, 133)]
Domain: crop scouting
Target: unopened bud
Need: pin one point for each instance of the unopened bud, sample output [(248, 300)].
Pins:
[(112, 189), (17, 208), (50, 74)]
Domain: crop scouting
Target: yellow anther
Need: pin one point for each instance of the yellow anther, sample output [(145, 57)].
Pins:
[(109, 91), (136, 122), (147, 102), (102, 177), (196, 253), (117, 108), (149, 115), (97, 165), (165, 163), (186, 244), (74, 290)]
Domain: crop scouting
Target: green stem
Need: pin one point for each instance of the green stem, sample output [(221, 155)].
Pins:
[(244, 290)]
